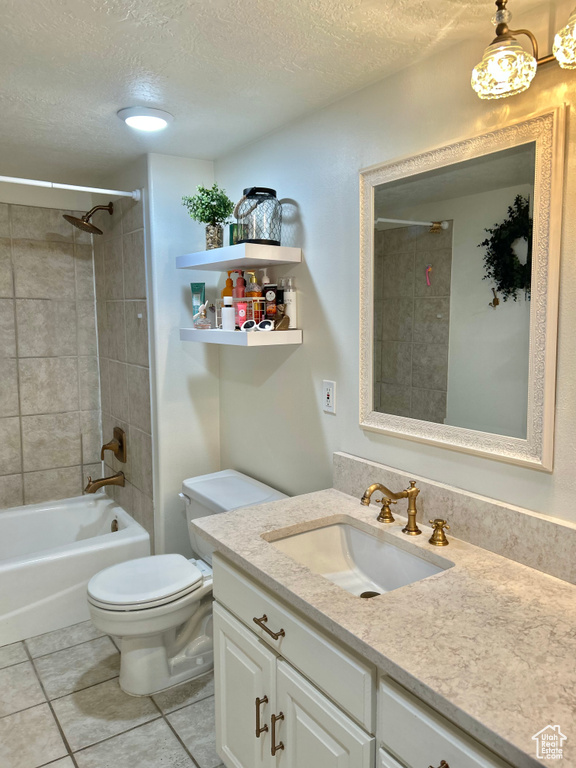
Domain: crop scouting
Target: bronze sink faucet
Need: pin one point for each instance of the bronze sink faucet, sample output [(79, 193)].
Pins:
[(94, 485), (389, 497)]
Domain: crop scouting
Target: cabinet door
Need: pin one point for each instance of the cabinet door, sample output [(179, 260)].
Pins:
[(315, 733), (244, 670)]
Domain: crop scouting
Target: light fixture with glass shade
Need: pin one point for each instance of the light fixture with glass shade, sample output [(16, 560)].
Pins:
[(145, 118), (506, 68)]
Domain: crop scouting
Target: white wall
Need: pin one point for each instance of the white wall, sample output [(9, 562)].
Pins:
[(316, 162), (185, 375)]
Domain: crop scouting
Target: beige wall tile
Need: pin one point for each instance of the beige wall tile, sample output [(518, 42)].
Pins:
[(50, 441), (87, 339), (4, 220), (6, 281), (48, 224), (48, 385), (132, 215), (428, 405), (111, 225), (11, 491), (46, 328), (10, 452), (395, 399), (91, 428), (396, 363), (432, 320), (124, 495), (84, 265), (430, 366), (141, 461), (113, 270), (139, 397), (118, 390), (136, 315), (134, 266), (43, 270), (398, 274), (116, 330), (92, 470), (397, 318), (7, 328), (102, 326), (143, 511), (89, 383), (99, 275), (440, 278), (9, 405), (52, 484), (104, 366)]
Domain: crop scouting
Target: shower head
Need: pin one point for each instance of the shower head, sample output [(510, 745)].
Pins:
[(84, 223)]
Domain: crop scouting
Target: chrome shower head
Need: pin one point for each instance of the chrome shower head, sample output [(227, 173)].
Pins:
[(84, 223)]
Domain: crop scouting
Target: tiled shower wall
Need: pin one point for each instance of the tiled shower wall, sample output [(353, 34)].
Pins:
[(49, 390), (411, 322), (122, 311)]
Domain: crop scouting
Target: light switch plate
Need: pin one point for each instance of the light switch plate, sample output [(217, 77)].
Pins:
[(329, 396)]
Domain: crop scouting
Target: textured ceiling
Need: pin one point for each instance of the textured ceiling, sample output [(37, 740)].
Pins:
[(229, 70)]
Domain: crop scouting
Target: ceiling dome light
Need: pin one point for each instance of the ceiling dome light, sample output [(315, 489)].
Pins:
[(564, 48), (145, 118), (506, 69)]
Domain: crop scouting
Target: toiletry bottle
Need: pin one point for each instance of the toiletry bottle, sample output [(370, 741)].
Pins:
[(270, 296), (290, 302), (240, 288), (229, 287), (253, 289), (201, 322), (280, 296), (265, 278), (228, 321)]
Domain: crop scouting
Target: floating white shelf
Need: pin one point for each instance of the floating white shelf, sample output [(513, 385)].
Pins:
[(241, 338), (241, 256)]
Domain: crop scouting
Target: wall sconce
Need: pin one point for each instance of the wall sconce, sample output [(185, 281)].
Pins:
[(506, 68)]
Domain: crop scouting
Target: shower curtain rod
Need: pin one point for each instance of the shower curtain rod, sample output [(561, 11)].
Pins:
[(442, 224), (135, 195)]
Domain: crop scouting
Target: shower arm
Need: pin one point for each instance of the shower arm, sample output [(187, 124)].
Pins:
[(92, 211)]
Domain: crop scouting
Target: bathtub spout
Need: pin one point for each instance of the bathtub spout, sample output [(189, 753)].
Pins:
[(94, 485)]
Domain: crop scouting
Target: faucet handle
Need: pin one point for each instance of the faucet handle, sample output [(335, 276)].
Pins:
[(438, 537), (385, 515)]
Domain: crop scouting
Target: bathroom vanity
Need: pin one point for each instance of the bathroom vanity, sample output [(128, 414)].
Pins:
[(309, 675)]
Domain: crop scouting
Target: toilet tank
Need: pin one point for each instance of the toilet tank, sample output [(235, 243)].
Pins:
[(221, 492)]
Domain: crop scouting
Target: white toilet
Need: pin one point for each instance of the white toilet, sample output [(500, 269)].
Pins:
[(160, 607)]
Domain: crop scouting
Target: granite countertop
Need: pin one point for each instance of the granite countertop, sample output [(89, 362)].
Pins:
[(489, 643)]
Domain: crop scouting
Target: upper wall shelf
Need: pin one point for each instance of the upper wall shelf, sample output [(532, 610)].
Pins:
[(241, 256)]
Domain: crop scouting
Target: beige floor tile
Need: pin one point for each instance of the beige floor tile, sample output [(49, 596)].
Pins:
[(185, 694), (62, 638), (29, 739), (99, 712), (19, 689), (65, 762), (150, 746), (12, 654), (196, 727), (78, 667)]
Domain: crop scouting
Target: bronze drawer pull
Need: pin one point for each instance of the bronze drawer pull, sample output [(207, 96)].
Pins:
[(280, 746), (264, 728), (262, 624), (443, 764)]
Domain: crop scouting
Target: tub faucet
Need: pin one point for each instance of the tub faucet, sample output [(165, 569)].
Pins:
[(94, 485), (411, 529)]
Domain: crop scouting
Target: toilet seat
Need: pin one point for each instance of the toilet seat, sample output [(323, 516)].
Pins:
[(144, 583)]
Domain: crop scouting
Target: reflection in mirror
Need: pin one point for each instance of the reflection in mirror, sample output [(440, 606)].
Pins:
[(452, 274)]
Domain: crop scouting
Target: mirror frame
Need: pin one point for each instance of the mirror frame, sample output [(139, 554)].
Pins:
[(547, 130)]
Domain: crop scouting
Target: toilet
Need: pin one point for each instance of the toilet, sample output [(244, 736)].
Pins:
[(159, 607)]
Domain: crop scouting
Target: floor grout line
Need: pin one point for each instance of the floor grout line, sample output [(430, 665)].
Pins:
[(115, 735), (175, 732), (67, 648)]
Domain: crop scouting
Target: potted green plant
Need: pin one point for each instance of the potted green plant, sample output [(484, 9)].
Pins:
[(213, 207)]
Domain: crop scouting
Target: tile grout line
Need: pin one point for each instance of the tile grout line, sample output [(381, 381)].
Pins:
[(17, 351), (116, 735), (169, 724), (49, 703)]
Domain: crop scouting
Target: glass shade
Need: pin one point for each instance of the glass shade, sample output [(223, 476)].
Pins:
[(564, 47), (505, 70)]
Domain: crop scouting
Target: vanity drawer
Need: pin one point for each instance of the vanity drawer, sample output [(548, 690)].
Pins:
[(346, 679), (419, 736)]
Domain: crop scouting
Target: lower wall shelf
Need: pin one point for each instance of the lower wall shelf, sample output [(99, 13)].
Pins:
[(242, 338)]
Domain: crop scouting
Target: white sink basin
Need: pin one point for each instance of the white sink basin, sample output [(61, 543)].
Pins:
[(357, 561)]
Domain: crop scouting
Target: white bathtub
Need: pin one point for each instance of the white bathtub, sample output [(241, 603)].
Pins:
[(49, 551)]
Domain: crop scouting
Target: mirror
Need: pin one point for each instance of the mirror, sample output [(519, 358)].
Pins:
[(459, 261)]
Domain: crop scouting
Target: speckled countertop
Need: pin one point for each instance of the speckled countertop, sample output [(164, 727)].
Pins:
[(489, 643)]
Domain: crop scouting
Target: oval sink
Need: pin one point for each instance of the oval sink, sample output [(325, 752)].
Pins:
[(356, 561)]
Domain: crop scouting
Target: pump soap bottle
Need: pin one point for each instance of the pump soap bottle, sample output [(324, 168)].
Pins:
[(229, 287), (228, 323), (290, 302)]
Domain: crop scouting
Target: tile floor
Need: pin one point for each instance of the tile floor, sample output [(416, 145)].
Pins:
[(61, 706)]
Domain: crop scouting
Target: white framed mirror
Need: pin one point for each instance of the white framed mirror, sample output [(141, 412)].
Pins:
[(459, 271)]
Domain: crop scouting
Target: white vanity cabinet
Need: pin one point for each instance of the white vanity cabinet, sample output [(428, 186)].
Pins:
[(268, 714), (289, 696)]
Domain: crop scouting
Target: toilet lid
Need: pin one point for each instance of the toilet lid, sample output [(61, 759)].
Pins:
[(144, 581)]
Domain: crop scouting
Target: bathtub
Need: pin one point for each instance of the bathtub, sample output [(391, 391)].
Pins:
[(49, 551)]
